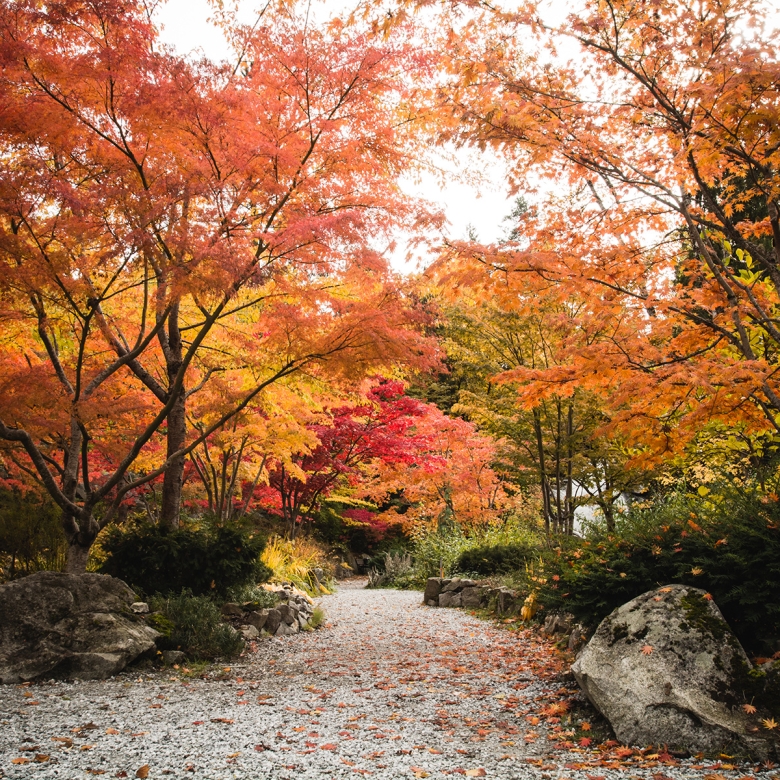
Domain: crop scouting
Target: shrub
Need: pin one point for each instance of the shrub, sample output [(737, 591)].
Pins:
[(728, 546), (194, 625), (31, 535), (260, 598), (435, 554), (488, 560), (157, 560)]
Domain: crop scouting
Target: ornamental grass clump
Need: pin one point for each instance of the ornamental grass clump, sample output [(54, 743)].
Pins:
[(295, 561)]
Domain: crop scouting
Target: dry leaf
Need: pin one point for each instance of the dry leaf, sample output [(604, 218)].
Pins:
[(20, 760), (749, 709), (647, 650), (112, 731), (41, 758), (143, 772), (222, 720), (476, 772)]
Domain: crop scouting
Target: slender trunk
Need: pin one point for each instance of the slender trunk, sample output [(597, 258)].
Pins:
[(542, 472), (173, 479), (569, 469)]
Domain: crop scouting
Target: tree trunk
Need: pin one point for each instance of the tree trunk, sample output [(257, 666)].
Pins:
[(79, 543), (173, 480), (76, 562)]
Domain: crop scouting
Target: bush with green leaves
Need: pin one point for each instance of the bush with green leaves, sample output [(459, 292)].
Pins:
[(152, 559), (31, 535), (194, 625), (727, 545), (493, 559)]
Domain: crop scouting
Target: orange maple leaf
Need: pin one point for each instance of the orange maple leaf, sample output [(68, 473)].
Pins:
[(647, 650), (749, 709)]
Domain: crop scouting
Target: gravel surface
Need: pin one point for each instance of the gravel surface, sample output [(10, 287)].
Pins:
[(388, 688)]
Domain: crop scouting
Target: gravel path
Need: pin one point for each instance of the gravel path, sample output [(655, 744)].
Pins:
[(388, 688)]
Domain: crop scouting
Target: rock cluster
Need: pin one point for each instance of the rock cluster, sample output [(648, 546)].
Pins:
[(461, 592), (55, 625), (292, 613), (665, 669)]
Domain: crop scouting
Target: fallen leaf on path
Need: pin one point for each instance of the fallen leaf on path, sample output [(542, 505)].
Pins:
[(41, 758), (143, 771), (476, 772), (20, 760), (222, 720)]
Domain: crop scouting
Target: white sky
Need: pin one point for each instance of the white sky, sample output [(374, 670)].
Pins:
[(185, 26)]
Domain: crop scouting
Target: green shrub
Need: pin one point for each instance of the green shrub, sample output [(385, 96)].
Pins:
[(194, 625), (31, 535), (260, 598), (728, 545), (436, 554), (157, 560), (488, 560)]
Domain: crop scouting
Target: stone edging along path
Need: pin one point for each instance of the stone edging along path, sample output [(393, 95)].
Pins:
[(388, 689)]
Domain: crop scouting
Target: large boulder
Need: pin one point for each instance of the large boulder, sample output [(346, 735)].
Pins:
[(69, 625), (665, 669)]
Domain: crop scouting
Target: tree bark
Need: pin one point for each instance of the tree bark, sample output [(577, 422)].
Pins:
[(173, 479), (76, 562)]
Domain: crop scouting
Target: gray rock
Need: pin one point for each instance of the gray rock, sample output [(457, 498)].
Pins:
[(432, 590), (69, 625), (663, 670), (285, 629), (577, 638), (457, 584), (303, 622), (432, 603), (232, 610), (472, 597), (171, 657), (288, 613), (450, 600), (257, 619), (556, 624), (249, 633), (507, 602), (140, 608), (272, 621)]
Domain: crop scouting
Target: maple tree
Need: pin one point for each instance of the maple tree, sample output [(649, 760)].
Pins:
[(662, 133), (160, 218), (451, 481), (382, 427)]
